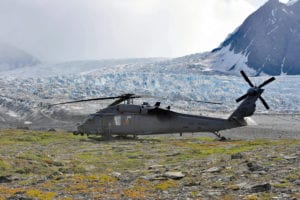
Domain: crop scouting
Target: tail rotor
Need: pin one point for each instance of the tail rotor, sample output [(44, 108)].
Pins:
[(255, 90)]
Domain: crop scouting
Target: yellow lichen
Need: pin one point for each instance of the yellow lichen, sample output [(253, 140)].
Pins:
[(164, 185), (34, 193)]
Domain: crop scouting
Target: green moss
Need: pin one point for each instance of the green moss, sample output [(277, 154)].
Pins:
[(193, 194), (24, 170), (217, 184), (294, 175), (281, 185), (266, 196), (3, 165)]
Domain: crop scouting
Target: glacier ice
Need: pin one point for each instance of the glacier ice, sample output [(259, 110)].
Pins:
[(175, 89)]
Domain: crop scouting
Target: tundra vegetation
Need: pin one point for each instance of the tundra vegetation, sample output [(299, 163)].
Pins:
[(58, 165)]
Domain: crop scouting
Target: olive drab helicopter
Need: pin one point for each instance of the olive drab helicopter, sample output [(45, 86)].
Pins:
[(130, 119)]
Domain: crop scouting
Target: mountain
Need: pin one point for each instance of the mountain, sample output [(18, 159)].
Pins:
[(82, 67), (268, 42), (14, 58)]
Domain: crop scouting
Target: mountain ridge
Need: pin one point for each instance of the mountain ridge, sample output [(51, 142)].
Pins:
[(13, 58), (267, 42)]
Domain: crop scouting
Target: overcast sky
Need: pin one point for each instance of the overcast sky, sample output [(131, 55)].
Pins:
[(61, 30)]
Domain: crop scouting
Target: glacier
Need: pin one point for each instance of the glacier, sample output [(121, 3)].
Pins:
[(179, 90)]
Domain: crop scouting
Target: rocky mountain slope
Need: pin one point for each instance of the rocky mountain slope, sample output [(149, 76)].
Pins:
[(268, 42)]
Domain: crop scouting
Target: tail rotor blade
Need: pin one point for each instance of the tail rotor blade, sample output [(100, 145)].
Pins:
[(264, 103), (246, 78), (266, 82), (241, 98)]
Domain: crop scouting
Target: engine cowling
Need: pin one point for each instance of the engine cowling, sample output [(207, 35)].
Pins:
[(129, 108)]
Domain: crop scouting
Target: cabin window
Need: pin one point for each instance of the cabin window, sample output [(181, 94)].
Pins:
[(117, 120)]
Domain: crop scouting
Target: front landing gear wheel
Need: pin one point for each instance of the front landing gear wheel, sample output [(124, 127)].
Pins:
[(75, 133), (107, 136)]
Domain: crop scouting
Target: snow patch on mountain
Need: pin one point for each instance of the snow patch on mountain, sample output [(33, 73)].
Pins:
[(227, 61)]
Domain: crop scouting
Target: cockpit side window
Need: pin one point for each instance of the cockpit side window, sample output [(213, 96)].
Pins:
[(117, 120)]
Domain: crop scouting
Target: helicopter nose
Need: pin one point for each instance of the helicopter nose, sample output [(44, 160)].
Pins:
[(80, 129)]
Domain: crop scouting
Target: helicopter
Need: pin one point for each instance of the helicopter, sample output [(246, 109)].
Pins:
[(129, 119)]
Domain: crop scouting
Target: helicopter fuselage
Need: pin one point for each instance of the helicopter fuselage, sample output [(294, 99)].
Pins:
[(128, 119)]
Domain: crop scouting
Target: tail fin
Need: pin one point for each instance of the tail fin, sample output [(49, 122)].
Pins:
[(247, 107)]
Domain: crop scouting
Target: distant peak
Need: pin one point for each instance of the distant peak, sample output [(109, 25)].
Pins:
[(273, 2), (291, 2)]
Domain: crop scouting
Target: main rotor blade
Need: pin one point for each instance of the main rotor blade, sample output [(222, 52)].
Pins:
[(120, 99), (144, 96), (83, 100), (241, 98), (198, 101), (209, 102), (264, 102), (125, 97), (246, 78), (266, 82)]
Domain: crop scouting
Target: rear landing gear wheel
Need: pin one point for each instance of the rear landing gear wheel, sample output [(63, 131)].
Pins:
[(221, 138)]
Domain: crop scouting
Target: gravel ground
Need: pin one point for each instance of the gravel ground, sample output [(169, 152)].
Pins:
[(267, 126)]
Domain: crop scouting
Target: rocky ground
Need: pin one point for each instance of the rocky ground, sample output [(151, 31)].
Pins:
[(268, 126), (58, 165)]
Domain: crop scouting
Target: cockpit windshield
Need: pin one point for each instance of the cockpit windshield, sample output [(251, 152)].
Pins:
[(145, 104), (90, 118)]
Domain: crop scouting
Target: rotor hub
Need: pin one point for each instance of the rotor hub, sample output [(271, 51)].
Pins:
[(254, 91)]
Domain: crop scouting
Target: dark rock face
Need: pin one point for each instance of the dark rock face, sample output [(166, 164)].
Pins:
[(254, 167), (237, 156), (261, 188), (5, 179), (12, 58), (270, 38)]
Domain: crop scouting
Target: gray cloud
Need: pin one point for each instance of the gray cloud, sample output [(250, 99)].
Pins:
[(96, 29)]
